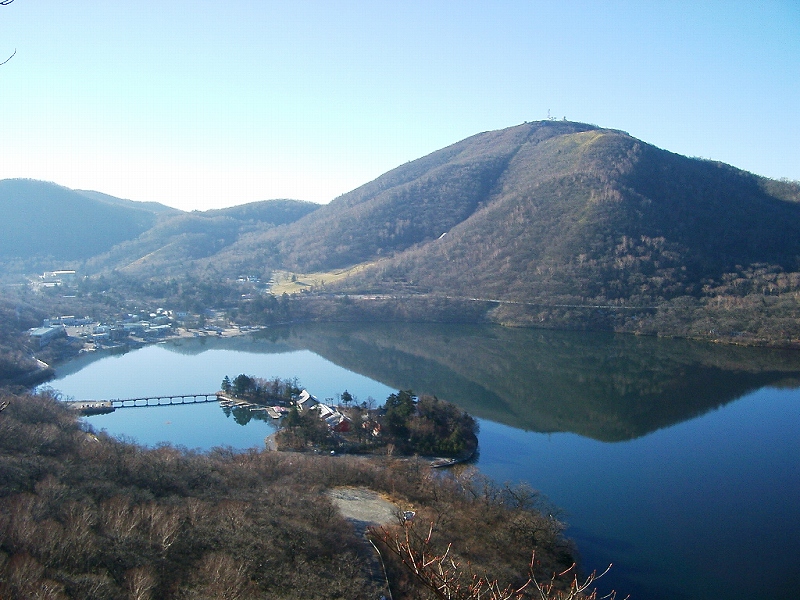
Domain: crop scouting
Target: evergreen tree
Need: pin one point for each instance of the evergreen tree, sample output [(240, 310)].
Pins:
[(242, 384), (399, 409), (347, 398)]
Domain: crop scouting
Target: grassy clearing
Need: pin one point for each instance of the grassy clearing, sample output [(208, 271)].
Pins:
[(288, 282)]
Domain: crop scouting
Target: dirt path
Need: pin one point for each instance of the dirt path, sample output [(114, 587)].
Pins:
[(363, 507)]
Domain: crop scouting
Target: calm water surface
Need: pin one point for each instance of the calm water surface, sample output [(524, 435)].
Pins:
[(678, 462), (712, 503), (192, 367)]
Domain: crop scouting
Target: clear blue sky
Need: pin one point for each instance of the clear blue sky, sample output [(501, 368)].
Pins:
[(202, 104)]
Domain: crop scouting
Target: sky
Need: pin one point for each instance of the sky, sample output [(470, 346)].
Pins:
[(204, 104)]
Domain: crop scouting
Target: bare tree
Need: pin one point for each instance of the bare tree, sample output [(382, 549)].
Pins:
[(118, 519), (140, 583), (447, 579), (81, 519), (163, 523), (223, 578)]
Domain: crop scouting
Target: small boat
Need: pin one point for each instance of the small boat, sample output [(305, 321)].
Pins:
[(441, 463)]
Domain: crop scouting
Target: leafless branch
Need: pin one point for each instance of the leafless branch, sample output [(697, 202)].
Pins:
[(6, 3), (15, 50), (449, 580)]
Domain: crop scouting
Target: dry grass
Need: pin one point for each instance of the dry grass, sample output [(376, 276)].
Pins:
[(288, 282)]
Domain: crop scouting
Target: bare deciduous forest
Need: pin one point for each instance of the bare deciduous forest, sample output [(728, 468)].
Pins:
[(86, 516)]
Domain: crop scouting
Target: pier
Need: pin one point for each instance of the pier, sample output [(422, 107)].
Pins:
[(104, 406), (96, 407)]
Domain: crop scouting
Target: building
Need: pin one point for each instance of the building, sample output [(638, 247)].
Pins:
[(305, 401), (57, 278), (44, 335), (333, 418)]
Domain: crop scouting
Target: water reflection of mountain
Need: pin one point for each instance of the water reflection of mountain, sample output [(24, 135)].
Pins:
[(85, 359), (266, 341), (607, 387), (270, 341)]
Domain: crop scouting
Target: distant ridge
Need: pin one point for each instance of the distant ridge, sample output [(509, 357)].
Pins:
[(42, 223), (154, 207), (274, 212), (41, 219), (178, 243)]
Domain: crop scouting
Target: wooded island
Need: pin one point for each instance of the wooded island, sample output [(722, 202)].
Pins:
[(404, 425)]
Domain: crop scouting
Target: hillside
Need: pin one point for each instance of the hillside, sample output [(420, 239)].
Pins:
[(174, 244), (41, 219), (601, 217), (412, 204), (43, 224), (90, 517), (548, 210), (274, 212)]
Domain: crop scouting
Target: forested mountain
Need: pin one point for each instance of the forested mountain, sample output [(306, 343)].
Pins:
[(411, 204), (603, 217), (556, 210), (176, 242), (550, 211), (42, 223), (38, 218), (541, 212)]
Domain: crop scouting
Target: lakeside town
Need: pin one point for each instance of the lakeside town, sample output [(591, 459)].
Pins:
[(404, 425), (132, 329), (127, 328)]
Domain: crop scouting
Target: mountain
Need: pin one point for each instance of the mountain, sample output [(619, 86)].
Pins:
[(47, 220), (552, 214), (412, 204), (551, 223), (599, 216), (45, 223)]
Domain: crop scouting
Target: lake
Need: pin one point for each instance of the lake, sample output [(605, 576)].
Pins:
[(677, 461)]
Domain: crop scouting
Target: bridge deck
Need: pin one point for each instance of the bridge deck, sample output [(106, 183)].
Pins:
[(143, 402)]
